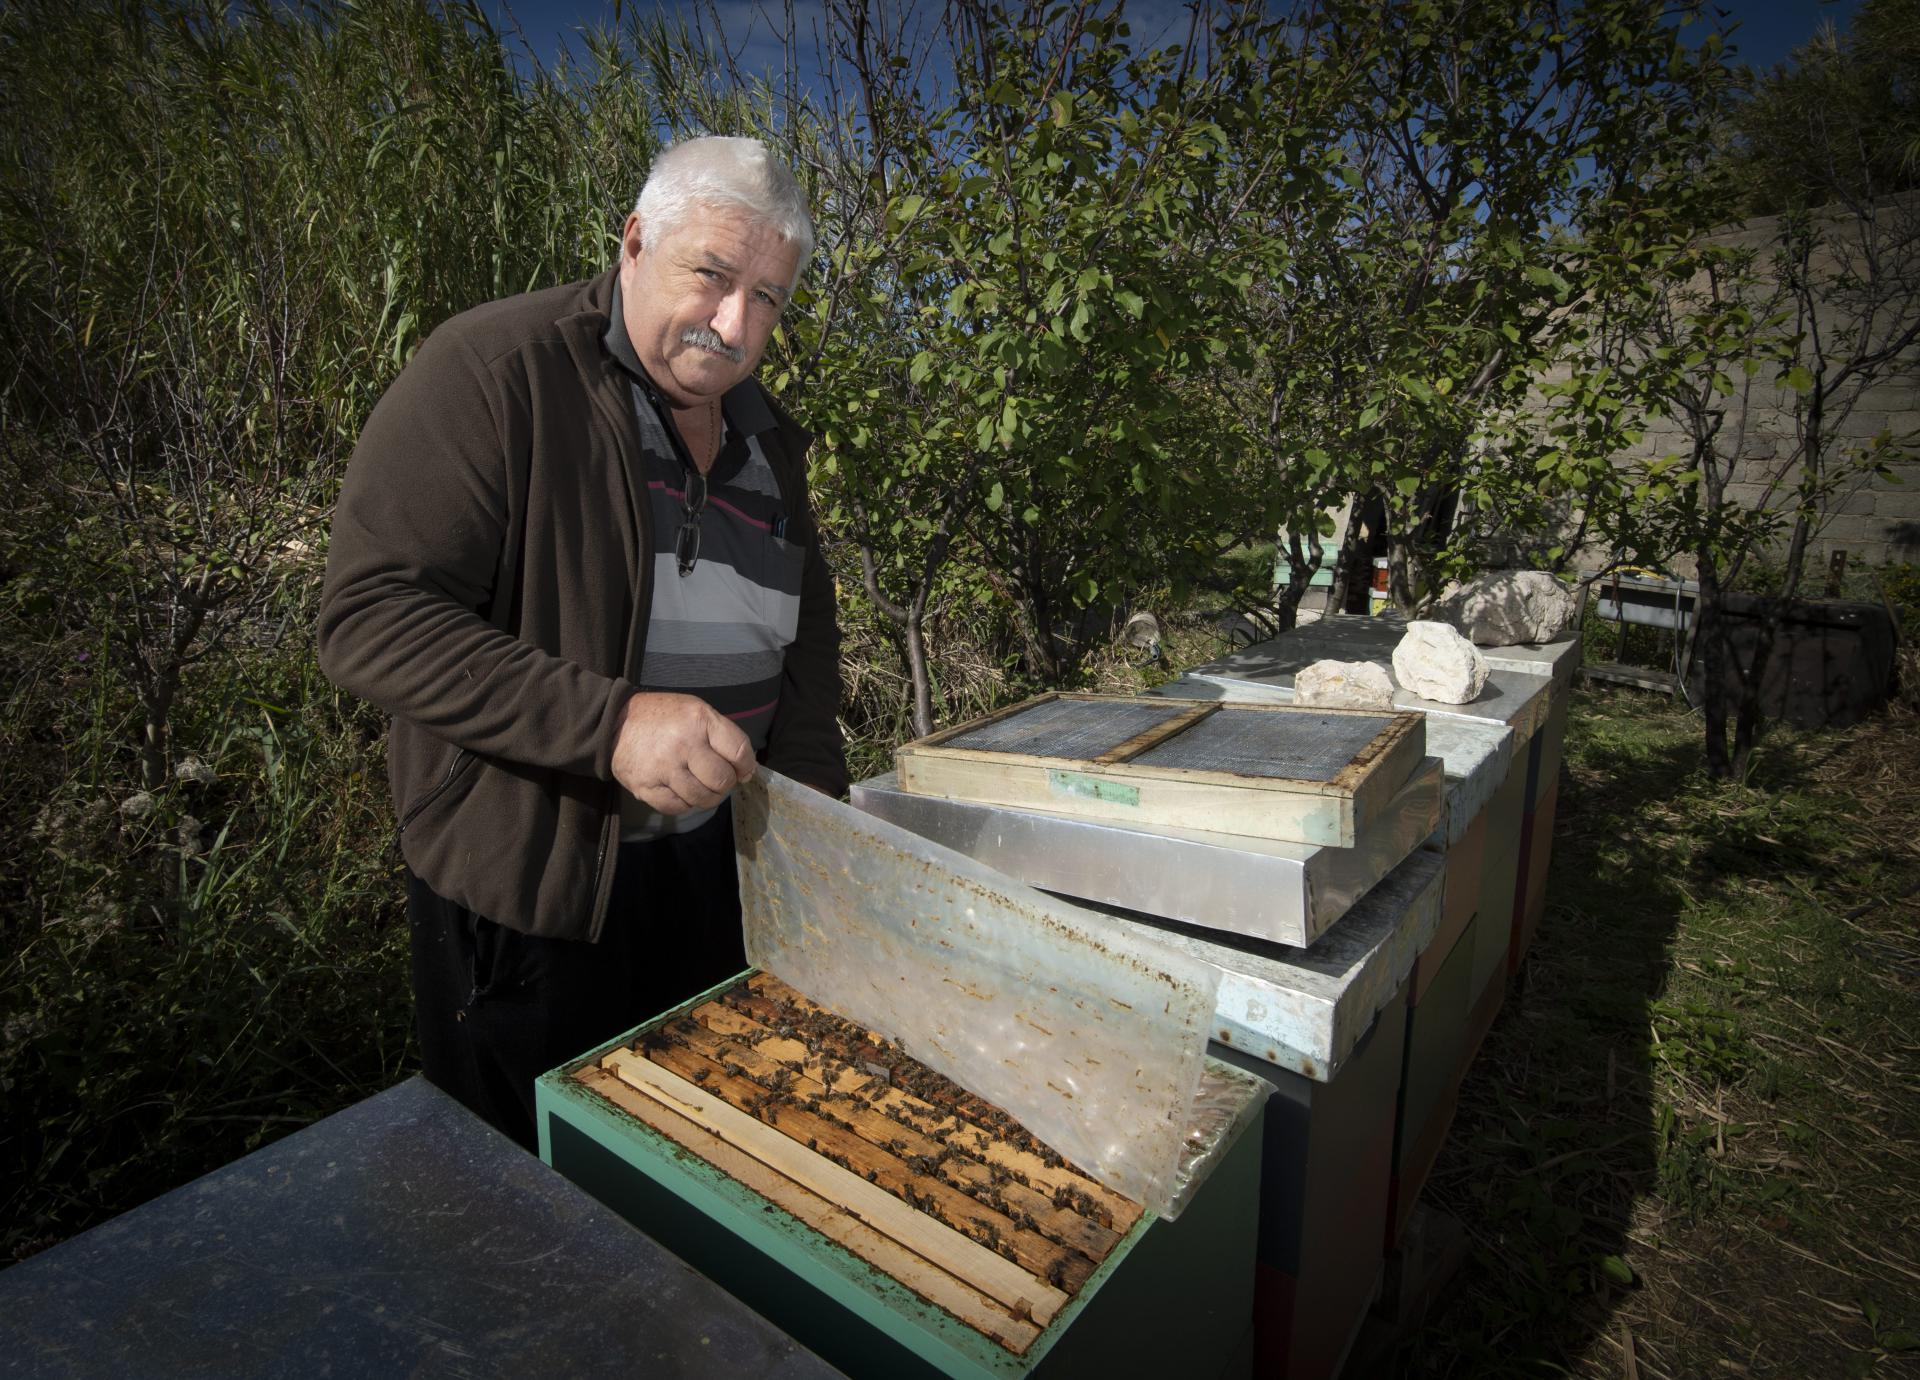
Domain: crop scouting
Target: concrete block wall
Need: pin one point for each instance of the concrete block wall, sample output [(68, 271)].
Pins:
[(1875, 520)]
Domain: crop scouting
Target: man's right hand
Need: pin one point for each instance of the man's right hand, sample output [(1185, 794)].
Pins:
[(676, 753)]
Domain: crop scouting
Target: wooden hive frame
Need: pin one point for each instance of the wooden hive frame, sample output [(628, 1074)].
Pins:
[(1115, 786), (843, 1131)]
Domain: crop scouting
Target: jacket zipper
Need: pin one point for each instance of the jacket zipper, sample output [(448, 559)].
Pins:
[(633, 459), (461, 761)]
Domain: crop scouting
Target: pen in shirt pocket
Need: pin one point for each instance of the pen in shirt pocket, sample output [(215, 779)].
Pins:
[(780, 526)]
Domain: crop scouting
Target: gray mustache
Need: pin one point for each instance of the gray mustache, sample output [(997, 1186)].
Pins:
[(710, 340)]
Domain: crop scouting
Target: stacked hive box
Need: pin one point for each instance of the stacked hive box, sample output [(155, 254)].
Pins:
[(1496, 848), (1364, 906), (1555, 664), (1455, 980), (1365, 1026)]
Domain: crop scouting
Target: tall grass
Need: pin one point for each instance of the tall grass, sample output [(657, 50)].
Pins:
[(215, 253)]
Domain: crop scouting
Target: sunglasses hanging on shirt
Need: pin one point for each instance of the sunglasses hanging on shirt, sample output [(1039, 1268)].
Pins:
[(686, 541), (693, 494)]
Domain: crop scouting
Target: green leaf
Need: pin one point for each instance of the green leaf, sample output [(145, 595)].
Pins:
[(1616, 1269), (1009, 426), (1407, 485), (1799, 378), (400, 333), (921, 367), (995, 497), (1135, 304), (1547, 278)]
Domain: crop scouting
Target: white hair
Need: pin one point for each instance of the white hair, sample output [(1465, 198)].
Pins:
[(717, 171)]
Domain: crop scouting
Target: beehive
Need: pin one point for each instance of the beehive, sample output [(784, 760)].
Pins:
[(883, 1215)]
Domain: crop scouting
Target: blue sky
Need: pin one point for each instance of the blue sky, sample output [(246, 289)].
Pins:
[(752, 27), (1768, 29), (1771, 29)]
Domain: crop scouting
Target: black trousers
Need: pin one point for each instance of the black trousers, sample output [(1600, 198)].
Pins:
[(496, 1008)]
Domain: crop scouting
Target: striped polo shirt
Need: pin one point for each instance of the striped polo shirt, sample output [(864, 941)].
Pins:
[(721, 631)]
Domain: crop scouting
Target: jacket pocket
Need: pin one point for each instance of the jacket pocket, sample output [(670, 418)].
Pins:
[(461, 766)]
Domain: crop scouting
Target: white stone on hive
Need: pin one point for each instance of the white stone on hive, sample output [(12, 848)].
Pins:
[(1436, 663), (1503, 607), (1343, 685)]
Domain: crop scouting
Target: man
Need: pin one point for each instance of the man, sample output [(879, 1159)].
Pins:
[(573, 557)]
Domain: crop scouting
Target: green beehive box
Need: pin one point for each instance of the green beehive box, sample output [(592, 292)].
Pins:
[(1172, 1297)]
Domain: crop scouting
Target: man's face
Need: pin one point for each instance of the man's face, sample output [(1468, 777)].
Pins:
[(702, 304)]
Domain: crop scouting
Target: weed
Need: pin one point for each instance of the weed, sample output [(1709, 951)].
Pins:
[(196, 970)]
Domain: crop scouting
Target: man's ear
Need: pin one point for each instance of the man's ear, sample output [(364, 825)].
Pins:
[(630, 236)]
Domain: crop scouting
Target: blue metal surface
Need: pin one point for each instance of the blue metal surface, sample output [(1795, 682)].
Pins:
[(399, 1237)]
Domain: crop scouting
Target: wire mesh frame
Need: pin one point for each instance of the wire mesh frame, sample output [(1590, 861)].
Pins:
[(1290, 747), (1082, 730), (1373, 737)]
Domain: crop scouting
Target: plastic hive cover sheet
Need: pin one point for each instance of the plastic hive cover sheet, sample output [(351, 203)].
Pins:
[(1094, 1040)]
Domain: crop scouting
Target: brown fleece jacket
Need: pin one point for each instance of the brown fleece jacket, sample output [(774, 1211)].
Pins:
[(492, 542)]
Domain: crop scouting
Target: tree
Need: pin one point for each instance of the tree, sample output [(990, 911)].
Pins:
[(1001, 351), (1088, 315), (1841, 122), (1508, 167), (1776, 334), (157, 430), (1764, 344)]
